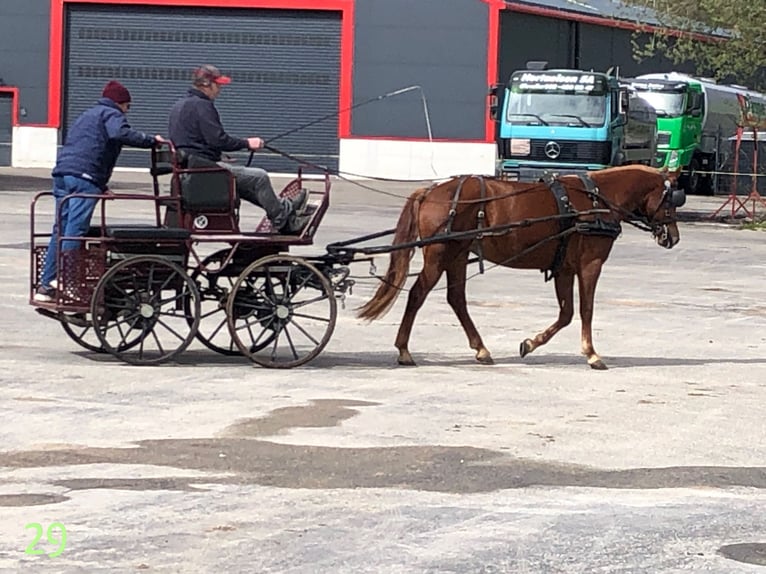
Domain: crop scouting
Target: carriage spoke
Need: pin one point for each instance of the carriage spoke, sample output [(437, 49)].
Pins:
[(312, 317), (306, 333), (290, 342), (169, 328)]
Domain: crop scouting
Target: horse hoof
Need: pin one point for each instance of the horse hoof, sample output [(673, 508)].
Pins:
[(525, 347), (485, 359), (406, 360), (598, 365)]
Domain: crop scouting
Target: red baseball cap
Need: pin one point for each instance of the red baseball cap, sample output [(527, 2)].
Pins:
[(207, 73)]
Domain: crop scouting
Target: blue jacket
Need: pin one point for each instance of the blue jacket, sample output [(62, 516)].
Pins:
[(195, 127), (94, 142)]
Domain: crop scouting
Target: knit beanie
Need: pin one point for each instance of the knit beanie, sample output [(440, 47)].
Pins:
[(116, 92)]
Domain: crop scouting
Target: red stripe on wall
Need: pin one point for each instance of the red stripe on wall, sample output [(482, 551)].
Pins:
[(493, 48), (346, 7), (14, 91)]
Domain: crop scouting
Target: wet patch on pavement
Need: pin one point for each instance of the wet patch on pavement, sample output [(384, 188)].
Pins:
[(749, 552), (238, 457)]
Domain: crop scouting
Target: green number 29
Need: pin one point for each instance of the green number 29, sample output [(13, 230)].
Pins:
[(51, 538)]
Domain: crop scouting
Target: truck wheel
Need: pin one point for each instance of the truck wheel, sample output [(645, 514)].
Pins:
[(696, 183)]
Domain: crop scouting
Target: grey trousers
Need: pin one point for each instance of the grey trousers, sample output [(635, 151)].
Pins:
[(254, 185)]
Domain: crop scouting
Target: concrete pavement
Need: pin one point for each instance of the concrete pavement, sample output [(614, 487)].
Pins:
[(352, 464)]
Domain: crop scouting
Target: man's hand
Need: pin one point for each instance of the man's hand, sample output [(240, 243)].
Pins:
[(254, 143), (159, 139)]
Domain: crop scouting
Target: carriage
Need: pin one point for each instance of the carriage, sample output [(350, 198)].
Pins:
[(144, 291)]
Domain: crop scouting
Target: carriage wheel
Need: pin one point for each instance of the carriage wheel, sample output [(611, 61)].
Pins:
[(140, 311), (86, 337), (83, 336), (214, 290), (282, 311)]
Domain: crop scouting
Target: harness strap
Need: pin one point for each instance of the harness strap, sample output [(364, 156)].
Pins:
[(480, 222), (455, 200), (480, 217), (565, 223), (597, 226)]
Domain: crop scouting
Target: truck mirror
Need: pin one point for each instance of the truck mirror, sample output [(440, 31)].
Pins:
[(624, 105), (696, 112), (495, 93)]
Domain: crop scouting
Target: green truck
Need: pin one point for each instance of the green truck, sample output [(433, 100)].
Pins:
[(695, 120)]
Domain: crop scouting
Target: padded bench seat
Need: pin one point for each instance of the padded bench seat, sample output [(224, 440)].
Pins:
[(151, 233)]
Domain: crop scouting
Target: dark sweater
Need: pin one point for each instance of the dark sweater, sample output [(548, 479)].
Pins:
[(195, 127)]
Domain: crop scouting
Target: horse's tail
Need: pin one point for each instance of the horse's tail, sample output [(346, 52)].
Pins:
[(399, 266)]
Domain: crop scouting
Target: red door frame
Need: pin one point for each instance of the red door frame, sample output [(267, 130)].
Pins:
[(345, 7), (14, 91)]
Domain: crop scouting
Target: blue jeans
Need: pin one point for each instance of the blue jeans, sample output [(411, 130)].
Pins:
[(74, 216)]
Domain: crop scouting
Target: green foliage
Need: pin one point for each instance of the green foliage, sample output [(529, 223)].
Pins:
[(735, 30)]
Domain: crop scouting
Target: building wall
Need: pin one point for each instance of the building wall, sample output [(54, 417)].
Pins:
[(451, 49), (439, 48), (570, 44), (24, 30)]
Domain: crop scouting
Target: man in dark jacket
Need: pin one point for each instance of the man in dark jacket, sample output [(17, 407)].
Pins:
[(84, 166), (195, 127)]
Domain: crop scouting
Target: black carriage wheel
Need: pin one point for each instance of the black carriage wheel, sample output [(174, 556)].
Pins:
[(86, 337), (289, 303), (145, 298), (214, 290), (81, 336)]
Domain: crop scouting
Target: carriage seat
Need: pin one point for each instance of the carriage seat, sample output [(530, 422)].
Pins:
[(208, 190)]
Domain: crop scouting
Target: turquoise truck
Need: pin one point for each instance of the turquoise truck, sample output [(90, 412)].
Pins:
[(569, 121), (696, 117)]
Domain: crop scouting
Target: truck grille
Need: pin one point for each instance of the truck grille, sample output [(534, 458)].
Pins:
[(663, 138), (570, 151)]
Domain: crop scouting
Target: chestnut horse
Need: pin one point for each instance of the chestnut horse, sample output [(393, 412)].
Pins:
[(565, 227)]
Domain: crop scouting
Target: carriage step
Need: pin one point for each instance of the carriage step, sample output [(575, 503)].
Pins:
[(77, 319)]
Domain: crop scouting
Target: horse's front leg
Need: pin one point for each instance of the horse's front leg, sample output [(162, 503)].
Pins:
[(429, 276), (564, 283), (586, 281), (456, 277)]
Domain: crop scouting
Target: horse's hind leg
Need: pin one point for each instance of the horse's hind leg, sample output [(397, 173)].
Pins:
[(587, 279), (456, 277), (429, 276), (564, 283)]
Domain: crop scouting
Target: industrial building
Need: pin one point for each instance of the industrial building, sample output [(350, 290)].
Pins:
[(389, 88)]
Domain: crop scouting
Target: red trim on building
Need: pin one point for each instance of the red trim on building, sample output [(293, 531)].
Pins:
[(14, 91), (345, 7), (493, 49)]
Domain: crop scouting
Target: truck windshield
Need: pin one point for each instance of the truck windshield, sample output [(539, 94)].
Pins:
[(666, 104), (577, 110)]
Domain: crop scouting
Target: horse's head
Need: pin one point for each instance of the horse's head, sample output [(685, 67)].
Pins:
[(659, 208)]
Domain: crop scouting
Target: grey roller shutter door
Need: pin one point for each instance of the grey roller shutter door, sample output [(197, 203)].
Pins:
[(6, 128), (285, 67)]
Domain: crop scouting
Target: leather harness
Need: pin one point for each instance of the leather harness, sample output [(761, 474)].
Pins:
[(569, 221)]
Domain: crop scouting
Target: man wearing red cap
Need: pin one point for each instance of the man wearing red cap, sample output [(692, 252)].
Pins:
[(195, 127), (84, 166)]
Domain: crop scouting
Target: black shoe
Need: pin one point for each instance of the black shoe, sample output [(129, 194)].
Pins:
[(299, 201), (295, 224)]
